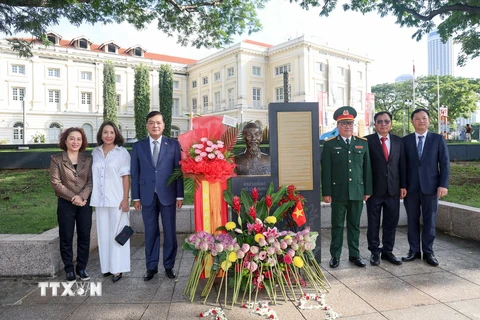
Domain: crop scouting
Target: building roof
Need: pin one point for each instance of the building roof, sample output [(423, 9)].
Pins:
[(261, 44)]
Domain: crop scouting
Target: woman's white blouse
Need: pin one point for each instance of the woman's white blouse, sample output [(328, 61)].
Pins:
[(107, 173)]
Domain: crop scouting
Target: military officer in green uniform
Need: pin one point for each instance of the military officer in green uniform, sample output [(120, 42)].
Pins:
[(346, 183)]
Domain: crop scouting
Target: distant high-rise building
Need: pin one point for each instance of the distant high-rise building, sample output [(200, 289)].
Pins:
[(403, 77), (440, 55)]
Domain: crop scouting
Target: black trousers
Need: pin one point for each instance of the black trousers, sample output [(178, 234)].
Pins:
[(391, 214), (68, 216)]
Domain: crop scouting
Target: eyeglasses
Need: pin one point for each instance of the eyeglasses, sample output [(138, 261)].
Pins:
[(383, 121), (346, 124)]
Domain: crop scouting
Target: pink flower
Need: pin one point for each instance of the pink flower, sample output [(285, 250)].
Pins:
[(220, 156), (209, 143), (245, 247), (204, 139), (211, 156), (291, 252), (262, 255), (287, 259), (198, 159), (254, 249), (209, 149), (198, 151), (203, 154)]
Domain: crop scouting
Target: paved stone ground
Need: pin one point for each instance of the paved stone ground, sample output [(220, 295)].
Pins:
[(413, 290)]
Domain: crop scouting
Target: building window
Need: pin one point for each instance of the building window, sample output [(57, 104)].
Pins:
[(359, 100), (205, 104), (18, 94), (318, 67), (118, 78), (54, 131), (279, 94), (52, 39), (341, 71), (280, 70), (205, 80), (176, 107), (318, 88), (175, 131), (111, 48), (83, 44), (18, 68), (194, 105), (256, 71), (359, 75), (54, 73), (217, 100), (86, 75), (137, 52), (340, 96), (54, 96), (194, 83), (257, 97), (176, 85), (87, 100), (230, 72), (88, 129), (18, 131), (216, 76), (118, 100), (231, 100)]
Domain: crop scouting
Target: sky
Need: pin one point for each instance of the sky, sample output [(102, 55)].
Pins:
[(391, 47)]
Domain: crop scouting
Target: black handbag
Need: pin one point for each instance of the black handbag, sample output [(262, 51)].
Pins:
[(126, 232)]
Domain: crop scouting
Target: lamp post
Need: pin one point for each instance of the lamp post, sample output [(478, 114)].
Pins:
[(407, 103), (127, 132)]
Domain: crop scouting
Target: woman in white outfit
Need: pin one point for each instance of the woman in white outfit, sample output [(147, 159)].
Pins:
[(110, 197)]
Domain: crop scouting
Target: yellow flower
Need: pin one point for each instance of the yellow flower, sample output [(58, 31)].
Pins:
[(271, 220), (259, 236), (287, 237), (226, 265), (230, 226), (298, 262), (232, 257)]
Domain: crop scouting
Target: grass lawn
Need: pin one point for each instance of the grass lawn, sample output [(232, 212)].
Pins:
[(28, 203)]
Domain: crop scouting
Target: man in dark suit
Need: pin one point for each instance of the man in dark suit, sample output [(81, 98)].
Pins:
[(428, 168), (153, 160), (346, 183), (387, 157)]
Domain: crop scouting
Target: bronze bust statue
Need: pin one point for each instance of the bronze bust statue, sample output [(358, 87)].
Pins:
[(252, 161)]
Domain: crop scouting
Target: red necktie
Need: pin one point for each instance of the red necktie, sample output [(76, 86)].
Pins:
[(384, 147)]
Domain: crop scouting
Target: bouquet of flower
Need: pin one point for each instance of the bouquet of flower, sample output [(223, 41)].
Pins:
[(207, 150), (254, 254)]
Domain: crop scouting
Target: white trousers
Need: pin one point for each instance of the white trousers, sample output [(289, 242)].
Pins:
[(114, 258)]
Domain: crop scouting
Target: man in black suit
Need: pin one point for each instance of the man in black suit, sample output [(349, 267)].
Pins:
[(428, 168), (387, 157)]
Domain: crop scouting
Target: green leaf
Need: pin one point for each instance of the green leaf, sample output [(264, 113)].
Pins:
[(280, 210)]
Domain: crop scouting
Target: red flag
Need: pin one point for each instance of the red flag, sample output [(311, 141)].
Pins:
[(298, 214)]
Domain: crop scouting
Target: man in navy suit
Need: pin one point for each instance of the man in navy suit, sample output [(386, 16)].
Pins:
[(387, 157), (428, 168), (153, 160)]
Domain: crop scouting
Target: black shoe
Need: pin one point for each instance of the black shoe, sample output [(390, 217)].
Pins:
[(71, 277), (83, 275), (117, 277), (375, 259), (149, 274), (334, 262), (412, 256), (170, 273), (391, 258), (358, 261), (108, 274), (430, 258)]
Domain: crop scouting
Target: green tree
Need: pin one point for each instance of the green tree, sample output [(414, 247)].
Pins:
[(141, 100), (458, 94), (166, 96), (109, 93), (459, 19), (210, 24)]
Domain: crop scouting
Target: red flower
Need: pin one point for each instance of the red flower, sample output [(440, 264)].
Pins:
[(252, 213), (236, 204), (287, 259), (201, 314), (255, 194), (268, 201), (272, 316), (214, 311), (268, 274)]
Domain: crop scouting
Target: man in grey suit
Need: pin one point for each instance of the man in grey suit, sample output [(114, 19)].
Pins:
[(387, 157), (428, 168), (153, 160)]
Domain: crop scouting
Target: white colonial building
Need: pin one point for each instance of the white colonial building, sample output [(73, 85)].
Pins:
[(62, 85)]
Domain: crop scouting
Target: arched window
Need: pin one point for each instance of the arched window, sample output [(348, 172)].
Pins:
[(175, 132), (54, 131), (88, 132), (18, 132)]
